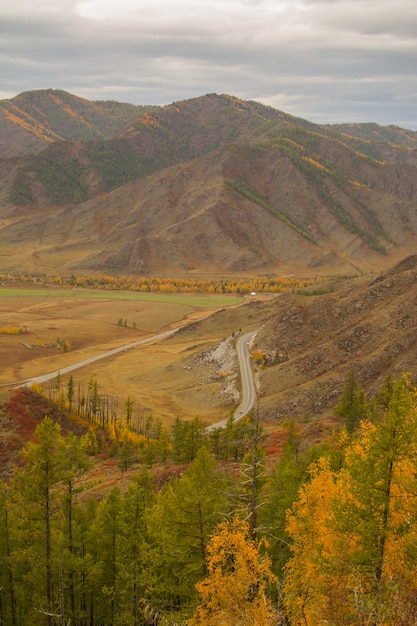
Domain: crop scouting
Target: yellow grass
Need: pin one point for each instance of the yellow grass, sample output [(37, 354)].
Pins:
[(153, 375)]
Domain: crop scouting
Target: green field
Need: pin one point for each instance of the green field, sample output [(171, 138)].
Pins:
[(209, 301)]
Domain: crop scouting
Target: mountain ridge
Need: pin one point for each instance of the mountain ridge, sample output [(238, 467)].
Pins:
[(212, 184)]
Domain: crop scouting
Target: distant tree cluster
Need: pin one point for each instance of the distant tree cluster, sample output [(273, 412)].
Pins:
[(12, 330), (144, 284), (63, 344), (263, 284), (141, 437)]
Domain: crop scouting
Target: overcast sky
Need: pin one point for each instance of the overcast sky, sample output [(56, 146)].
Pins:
[(327, 61)]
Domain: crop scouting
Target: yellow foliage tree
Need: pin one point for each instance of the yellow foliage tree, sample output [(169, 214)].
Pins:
[(234, 592), (316, 579), (354, 531)]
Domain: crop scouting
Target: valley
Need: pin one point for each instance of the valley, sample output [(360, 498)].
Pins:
[(208, 365), (91, 324)]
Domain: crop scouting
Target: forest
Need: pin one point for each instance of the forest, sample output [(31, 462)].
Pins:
[(326, 535)]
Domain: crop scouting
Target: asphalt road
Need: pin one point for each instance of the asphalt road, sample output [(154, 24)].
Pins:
[(248, 384), (65, 370)]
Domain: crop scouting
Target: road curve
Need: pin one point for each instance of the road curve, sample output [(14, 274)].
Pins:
[(65, 370), (248, 384)]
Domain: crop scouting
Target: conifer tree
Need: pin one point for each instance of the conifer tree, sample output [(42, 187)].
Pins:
[(353, 529), (38, 521), (107, 538), (352, 404), (235, 589), (7, 582), (134, 546), (187, 511), (74, 452)]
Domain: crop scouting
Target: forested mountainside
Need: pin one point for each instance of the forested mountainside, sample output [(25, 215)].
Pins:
[(34, 119), (209, 185)]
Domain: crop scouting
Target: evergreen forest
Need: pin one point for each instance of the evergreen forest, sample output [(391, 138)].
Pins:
[(325, 535)]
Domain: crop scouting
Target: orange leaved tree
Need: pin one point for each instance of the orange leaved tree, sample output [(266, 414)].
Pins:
[(234, 592), (354, 531)]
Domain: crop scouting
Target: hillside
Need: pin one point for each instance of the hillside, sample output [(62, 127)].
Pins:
[(305, 348), (312, 343), (212, 185)]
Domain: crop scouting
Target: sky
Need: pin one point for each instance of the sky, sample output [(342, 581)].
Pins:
[(328, 61)]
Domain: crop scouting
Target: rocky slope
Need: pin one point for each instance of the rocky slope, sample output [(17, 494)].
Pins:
[(370, 327)]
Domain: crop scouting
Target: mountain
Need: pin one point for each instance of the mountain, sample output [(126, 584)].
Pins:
[(209, 185)]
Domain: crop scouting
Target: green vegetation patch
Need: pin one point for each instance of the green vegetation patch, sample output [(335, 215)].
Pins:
[(208, 301), (251, 195), (21, 192), (60, 174), (301, 146), (116, 162)]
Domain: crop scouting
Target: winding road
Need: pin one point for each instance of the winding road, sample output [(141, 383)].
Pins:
[(248, 385)]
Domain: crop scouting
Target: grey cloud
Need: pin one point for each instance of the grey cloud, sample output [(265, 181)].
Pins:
[(322, 63)]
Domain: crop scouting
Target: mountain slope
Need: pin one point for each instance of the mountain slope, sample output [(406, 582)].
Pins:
[(370, 327), (212, 184)]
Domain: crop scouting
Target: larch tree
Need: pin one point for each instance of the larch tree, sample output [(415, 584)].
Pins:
[(7, 582), (38, 521), (234, 593), (354, 530), (134, 546), (105, 537), (186, 513), (74, 450)]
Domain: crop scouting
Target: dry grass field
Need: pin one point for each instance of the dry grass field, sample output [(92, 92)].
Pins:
[(160, 377)]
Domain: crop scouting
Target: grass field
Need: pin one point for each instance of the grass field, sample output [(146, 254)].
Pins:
[(212, 301), (92, 321)]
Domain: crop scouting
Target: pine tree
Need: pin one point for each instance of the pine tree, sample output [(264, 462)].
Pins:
[(352, 404)]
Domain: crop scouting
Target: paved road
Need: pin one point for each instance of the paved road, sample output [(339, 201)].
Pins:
[(65, 370), (248, 384)]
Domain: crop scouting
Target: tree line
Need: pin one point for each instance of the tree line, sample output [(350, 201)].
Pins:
[(138, 436), (327, 535), (146, 284)]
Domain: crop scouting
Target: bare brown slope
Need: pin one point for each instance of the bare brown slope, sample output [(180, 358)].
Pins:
[(370, 327), (216, 185), (234, 210)]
